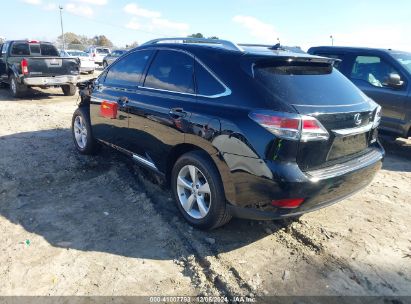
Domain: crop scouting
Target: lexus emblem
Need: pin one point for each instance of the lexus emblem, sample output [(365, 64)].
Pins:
[(357, 119)]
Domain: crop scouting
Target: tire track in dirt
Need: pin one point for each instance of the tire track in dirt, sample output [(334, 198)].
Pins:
[(221, 276)]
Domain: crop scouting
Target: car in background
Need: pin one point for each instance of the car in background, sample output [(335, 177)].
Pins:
[(252, 132), (98, 53), (109, 59), (31, 63), (87, 64), (383, 75)]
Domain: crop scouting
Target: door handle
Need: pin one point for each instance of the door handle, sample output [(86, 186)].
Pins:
[(178, 112)]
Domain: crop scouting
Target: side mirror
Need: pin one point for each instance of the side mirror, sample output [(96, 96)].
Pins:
[(394, 81)]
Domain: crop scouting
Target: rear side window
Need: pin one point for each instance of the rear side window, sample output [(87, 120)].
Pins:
[(128, 71), (207, 84), (20, 49), (373, 70), (171, 71), (307, 84)]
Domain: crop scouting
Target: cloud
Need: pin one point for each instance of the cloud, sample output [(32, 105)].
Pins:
[(133, 24), (93, 2), (264, 32), (153, 22), (33, 2), (160, 23), (79, 9), (134, 9), (50, 6)]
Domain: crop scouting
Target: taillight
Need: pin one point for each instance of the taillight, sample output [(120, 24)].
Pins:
[(24, 67), (312, 129), (377, 118), (291, 126), (289, 203)]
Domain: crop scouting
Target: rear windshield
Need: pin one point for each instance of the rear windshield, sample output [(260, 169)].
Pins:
[(26, 49), (103, 51), (315, 84)]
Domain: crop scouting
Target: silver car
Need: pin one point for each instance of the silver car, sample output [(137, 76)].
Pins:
[(87, 64), (109, 59)]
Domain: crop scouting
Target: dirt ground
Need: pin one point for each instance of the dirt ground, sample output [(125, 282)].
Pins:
[(77, 225)]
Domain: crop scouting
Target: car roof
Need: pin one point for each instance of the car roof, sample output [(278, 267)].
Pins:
[(353, 49), (262, 51)]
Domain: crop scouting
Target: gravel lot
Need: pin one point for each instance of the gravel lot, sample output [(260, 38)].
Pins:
[(77, 225)]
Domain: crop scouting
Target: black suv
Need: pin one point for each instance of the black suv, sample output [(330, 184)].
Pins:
[(384, 75), (248, 131)]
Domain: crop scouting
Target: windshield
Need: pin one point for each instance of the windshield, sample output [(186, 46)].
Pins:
[(307, 84), (77, 54), (103, 51), (404, 59)]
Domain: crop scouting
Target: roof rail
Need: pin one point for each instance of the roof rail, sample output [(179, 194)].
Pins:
[(225, 43)]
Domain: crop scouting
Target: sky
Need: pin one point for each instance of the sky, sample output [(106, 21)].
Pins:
[(305, 23)]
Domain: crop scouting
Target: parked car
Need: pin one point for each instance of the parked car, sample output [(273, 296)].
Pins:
[(87, 64), (25, 64), (384, 75), (256, 133), (98, 53), (109, 59)]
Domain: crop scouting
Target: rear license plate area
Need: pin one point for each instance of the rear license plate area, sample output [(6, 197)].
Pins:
[(344, 146)]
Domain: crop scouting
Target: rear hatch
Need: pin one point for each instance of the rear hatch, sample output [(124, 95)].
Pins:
[(42, 60), (317, 90), (52, 66)]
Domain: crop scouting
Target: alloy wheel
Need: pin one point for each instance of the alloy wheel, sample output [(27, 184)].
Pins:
[(80, 132), (194, 192)]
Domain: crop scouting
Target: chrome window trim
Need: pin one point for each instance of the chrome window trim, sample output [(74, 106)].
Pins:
[(227, 90), (353, 131)]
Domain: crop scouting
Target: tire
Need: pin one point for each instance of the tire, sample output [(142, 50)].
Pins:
[(214, 201), (69, 90), (80, 126), (91, 72), (17, 90), (105, 64)]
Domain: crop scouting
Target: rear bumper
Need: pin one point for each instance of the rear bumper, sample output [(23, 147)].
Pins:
[(319, 188), (51, 81), (87, 69)]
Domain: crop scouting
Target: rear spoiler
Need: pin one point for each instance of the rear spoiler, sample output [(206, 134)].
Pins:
[(249, 64)]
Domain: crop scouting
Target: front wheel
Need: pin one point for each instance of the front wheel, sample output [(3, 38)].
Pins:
[(199, 192), (83, 138)]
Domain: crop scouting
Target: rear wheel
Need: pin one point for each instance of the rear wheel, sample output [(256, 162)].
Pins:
[(69, 90), (198, 191), (82, 134), (91, 72), (17, 90)]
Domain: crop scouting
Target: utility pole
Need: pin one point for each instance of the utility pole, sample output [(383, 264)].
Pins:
[(61, 23), (332, 40)]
